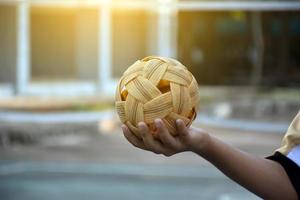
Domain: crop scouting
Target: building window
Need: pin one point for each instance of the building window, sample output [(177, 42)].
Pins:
[(8, 44), (282, 48), (215, 46), (64, 43)]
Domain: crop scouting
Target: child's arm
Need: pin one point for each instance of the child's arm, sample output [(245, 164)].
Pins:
[(261, 176)]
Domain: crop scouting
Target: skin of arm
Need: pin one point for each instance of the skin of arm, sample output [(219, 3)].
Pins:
[(263, 177)]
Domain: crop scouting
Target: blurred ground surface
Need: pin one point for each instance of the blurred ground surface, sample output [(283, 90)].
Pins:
[(82, 182), (83, 142), (76, 161), (46, 153)]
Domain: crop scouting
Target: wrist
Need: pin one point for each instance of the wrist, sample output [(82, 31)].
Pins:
[(201, 142)]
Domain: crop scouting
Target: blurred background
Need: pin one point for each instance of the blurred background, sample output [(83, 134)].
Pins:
[(60, 137)]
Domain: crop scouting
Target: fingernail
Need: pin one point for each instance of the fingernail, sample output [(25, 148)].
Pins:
[(178, 121), (157, 122), (140, 124), (123, 127)]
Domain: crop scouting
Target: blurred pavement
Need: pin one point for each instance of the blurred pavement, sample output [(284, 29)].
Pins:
[(74, 149), (93, 160)]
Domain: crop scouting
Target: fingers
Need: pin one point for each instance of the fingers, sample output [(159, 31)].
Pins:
[(150, 142), (135, 141), (181, 128), (148, 138), (147, 142), (165, 136)]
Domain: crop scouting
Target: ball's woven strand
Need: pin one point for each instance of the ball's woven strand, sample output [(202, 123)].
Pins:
[(157, 87)]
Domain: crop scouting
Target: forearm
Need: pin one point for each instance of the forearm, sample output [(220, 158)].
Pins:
[(261, 176)]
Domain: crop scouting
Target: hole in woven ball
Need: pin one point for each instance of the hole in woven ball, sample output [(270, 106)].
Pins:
[(164, 86), (191, 115), (153, 130), (124, 93)]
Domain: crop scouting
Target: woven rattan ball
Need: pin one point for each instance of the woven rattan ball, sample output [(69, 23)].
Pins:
[(157, 87)]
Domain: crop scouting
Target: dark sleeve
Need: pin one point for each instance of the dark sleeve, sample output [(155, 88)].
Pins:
[(291, 168)]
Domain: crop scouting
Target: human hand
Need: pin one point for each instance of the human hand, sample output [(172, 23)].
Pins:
[(188, 139)]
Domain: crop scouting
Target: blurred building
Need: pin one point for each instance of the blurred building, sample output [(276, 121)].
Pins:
[(81, 47)]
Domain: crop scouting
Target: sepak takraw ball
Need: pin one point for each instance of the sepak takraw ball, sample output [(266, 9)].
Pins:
[(157, 87)]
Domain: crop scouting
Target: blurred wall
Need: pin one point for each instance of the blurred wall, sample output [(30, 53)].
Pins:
[(129, 37), (152, 33), (219, 47), (64, 43), (8, 42), (52, 43), (87, 43)]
